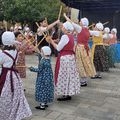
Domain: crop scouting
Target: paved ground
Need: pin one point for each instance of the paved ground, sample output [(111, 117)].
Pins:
[(100, 100)]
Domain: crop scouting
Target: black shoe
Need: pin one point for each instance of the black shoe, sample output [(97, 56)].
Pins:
[(68, 97), (41, 107), (45, 105), (99, 76), (84, 85), (93, 77), (64, 98)]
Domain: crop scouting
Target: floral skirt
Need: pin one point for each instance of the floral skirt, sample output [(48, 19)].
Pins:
[(13, 105), (100, 59), (68, 82), (110, 54)]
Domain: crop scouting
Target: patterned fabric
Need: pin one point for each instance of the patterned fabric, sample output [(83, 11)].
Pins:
[(84, 62), (113, 40), (68, 77), (67, 50), (30, 49), (100, 59), (116, 53), (21, 63), (13, 105), (44, 89), (110, 51)]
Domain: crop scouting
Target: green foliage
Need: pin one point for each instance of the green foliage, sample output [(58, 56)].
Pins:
[(30, 10)]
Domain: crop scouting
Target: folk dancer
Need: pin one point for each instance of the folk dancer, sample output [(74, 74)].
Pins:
[(13, 104), (67, 78)]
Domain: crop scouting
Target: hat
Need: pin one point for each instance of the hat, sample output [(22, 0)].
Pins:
[(8, 38), (27, 29), (99, 26), (114, 30), (85, 21), (46, 50), (68, 26), (19, 28), (107, 30)]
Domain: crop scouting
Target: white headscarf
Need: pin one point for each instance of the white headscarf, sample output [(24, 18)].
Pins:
[(8, 38), (85, 22), (20, 28), (99, 26), (27, 29), (114, 30), (46, 50), (107, 30), (68, 26)]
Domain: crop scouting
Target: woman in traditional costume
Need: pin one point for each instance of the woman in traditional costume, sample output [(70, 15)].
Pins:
[(67, 80), (99, 56), (13, 104), (83, 54), (44, 27), (106, 38), (114, 52)]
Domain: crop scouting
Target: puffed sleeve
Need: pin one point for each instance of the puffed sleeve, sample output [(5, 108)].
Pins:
[(1, 58), (63, 41)]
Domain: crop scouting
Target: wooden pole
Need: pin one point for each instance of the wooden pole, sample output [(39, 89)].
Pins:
[(38, 27), (40, 42), (47, 25), (106, 23), (103, 24), (28, 41), (60, 12)]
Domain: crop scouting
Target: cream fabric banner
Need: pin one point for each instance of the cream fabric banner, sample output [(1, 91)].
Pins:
[(74, 14)]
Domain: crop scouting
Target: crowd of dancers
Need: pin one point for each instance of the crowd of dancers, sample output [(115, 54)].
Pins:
[(76, 62)]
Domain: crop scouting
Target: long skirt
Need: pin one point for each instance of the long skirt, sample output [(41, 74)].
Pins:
[(13, 105), (100, 59), (84, 62), (110, 54), (68, 82), (21, 65)]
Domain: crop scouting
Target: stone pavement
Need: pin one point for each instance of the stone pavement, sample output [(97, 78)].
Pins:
[(100, 100)]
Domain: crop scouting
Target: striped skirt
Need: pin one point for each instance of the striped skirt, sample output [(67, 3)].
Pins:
[(84, 62)]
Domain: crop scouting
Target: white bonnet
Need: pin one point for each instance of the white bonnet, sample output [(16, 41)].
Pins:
[(107, 30), (11, 28), (46, 50), (27, 29), (85, 22), (8, 38), (99, 26), (114, 30), (19, 27), (68, 26)]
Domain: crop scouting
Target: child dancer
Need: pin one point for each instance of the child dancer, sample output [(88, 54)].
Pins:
[(44, 92), (44, 28), (21, 56), (13, 104)]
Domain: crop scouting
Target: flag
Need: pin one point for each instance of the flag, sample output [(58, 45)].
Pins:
[(74, 14)]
